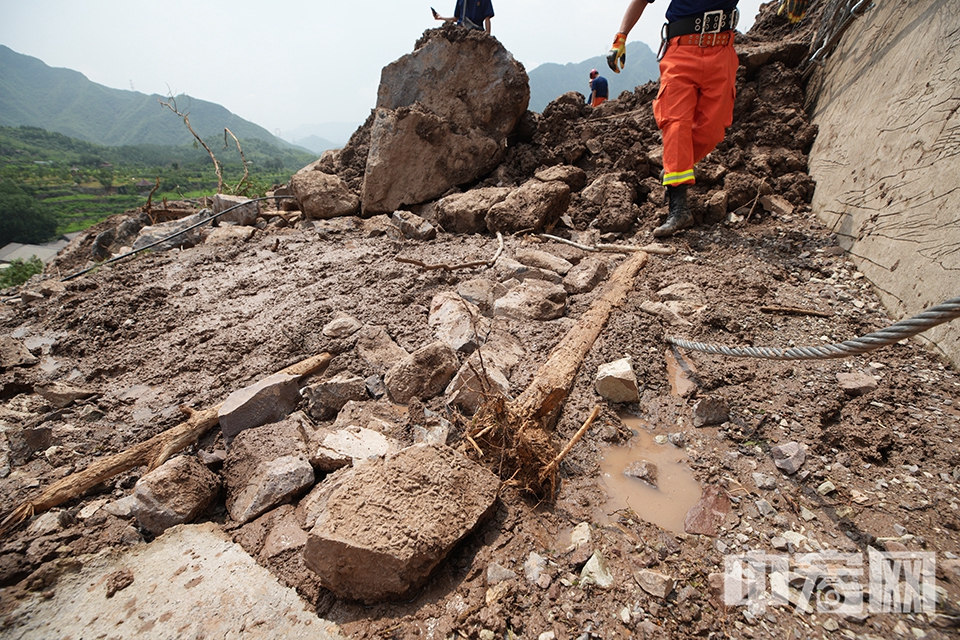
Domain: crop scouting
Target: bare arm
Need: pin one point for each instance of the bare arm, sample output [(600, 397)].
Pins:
[(486, 24), (632, 15)]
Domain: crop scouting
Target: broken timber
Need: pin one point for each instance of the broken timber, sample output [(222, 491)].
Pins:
[(518, 432), (150, 453), (553, 381)]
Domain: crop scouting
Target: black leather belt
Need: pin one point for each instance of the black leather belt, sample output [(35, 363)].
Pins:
[(708, 22)]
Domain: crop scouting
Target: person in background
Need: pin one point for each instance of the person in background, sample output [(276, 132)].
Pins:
[(473, 14), (694, 107), (599, 90)]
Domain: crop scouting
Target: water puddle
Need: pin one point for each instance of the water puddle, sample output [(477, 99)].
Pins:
[(677, 490), (681, 375)]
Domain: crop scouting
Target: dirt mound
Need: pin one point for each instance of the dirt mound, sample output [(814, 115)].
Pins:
[(189, 327)]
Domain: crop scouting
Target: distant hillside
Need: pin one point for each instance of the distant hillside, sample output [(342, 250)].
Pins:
[(65, 101), (317, 144), (550, 80)]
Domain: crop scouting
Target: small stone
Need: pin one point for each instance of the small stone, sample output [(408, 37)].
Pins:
[(856, 384), (826, 487), (899, 529), (710, 411), (497, 573), (764, 481), (808, 515), (779, 543), (677, 439), (788, 457), (656, 584), (766, 509), (830, 624), (643, 470), (595, 571)]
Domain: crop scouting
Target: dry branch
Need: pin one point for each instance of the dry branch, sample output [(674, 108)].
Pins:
[(552, 467), (658, 249), (151, 453), (186, 121), (797, 311)]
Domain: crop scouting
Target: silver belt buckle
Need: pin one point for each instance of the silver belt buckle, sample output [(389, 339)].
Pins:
[(707, 25)]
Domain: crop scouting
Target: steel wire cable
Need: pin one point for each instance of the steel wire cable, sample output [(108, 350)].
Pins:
[(936, 315), (172, 235)]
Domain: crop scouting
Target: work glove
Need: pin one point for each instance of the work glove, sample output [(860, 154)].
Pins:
[(794, 9), (618, 53)]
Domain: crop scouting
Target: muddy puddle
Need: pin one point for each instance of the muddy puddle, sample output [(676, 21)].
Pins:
[(676, 490)]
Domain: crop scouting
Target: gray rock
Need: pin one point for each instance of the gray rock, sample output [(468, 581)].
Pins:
[(465, 212), (482, 292), (383, 526), (376, 346), (341, 327), (764, 481), (596, 572), (616, 201), (331, 450), (656, 584), (413, 227), (788, 457), (511, 269), (497, 573), (856, 384), (174, 493), (163, 233)]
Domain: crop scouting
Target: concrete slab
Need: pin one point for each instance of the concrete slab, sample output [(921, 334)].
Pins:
[(191, 582)]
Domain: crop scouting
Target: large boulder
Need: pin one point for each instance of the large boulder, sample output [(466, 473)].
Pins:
[(382, 526), (464, 212), (442, 119)]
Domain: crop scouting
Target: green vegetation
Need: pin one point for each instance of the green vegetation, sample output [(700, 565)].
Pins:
[(52, 184), (19, 271)]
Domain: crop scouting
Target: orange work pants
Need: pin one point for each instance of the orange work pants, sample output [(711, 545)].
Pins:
[(694, 106)]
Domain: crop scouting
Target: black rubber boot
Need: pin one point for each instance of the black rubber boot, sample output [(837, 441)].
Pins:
[(679, 216)]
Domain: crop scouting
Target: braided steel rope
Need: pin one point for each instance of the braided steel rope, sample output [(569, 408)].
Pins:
[(943, 312)]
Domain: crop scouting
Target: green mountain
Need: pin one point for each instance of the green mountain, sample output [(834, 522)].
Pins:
[(65, 101), (550, 80)]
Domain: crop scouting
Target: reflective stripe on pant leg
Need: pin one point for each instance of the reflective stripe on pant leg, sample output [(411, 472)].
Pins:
[(674, 110), (718, 90)]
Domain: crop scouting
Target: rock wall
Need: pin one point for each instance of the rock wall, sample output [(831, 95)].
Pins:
[(887, 158)]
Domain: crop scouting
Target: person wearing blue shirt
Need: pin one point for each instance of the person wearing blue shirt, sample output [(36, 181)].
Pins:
[(473, 14), (599, 90)]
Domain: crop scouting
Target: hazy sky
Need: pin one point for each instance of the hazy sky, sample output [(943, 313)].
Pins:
[(287, 63)]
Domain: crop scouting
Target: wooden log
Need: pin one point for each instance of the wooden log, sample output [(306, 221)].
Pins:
[(150, 453), (553, 381)]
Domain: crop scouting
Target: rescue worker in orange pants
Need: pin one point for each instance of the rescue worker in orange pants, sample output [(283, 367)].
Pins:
[(694, 107)]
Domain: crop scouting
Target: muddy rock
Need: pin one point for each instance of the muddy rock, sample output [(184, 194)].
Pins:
[(617, 382), (788, 457), (412, 226), (387, 524), (457, 322), (265, 401), (327, 397), (643, 470), (465, 212), (585, 275), (514, 270), (14, 354), (376, 346), (242, 211), (482, 292), (532, 207), (341, 327), (543, 260), (615, 199), (856, 384), (323, 196), (710, 411), (709, 513), (573, 177), (173, 235), (422, 374), (61, 394), (266, 466), (174, 493), (532, 300)]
